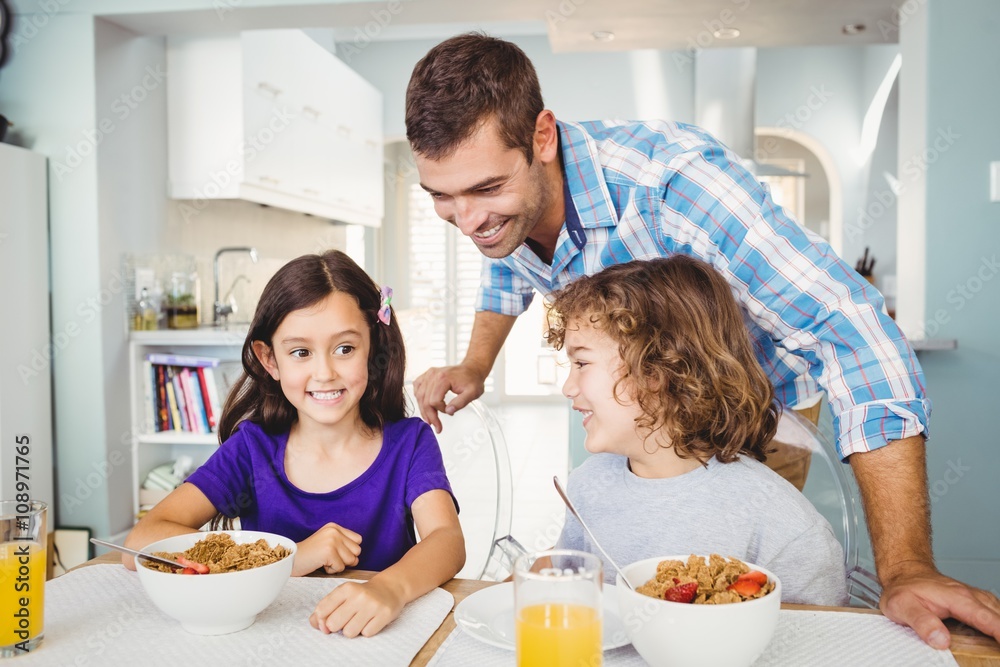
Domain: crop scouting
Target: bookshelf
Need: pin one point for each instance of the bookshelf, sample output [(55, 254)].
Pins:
[(151, 448)]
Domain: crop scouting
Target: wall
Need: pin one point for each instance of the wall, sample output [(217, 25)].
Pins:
[(963, 286), (278, 236), (646, 84), (47, 89), (825, 92)]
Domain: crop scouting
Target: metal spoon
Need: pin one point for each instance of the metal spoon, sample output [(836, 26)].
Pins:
[(141, 554), (565, 498)]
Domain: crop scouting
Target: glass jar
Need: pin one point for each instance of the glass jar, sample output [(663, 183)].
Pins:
[(181, 303)]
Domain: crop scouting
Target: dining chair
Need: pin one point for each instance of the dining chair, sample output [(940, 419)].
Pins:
[(831, 488), (478, 466)]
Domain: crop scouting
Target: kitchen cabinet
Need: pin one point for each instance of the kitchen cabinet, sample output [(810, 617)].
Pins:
[(272, 117), (151, 448)]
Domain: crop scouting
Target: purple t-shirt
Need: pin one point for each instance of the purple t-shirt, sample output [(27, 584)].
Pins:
[(246, 477)]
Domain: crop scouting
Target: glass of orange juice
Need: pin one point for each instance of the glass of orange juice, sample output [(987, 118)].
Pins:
[(22, 575), (557, 609)]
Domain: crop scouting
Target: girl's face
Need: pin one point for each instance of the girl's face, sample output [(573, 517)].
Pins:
[(594, 368), (319, 355)]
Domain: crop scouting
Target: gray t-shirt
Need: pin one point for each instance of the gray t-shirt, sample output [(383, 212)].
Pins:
[(741, 509)]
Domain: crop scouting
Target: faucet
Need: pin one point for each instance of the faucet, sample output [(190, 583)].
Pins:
[(222, 310)]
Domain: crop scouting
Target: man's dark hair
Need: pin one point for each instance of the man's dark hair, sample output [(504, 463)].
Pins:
[(464, 82)]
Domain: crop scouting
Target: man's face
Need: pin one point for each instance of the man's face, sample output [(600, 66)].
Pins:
[(487, 190)]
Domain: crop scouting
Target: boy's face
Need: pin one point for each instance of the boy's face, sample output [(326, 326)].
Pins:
[(594, 368), (487, 190), (319, 355)]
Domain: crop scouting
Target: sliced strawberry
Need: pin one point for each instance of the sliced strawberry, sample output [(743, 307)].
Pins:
[(189, 570), (684, 593), (756, 576), (745, 587), (199, 568)]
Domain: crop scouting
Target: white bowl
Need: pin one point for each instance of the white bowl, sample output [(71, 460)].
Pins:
[(669, 634), (216, 604)]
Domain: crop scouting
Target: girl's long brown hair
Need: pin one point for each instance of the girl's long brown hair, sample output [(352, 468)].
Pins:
[(686, 354), (302, 283)]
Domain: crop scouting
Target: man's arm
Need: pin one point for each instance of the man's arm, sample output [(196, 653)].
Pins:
[(893, 483), (466, 380)]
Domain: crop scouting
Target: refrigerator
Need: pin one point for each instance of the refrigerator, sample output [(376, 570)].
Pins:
[(26, 446)]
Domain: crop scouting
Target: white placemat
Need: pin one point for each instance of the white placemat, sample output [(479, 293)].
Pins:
[(100, 615), (817, 639)]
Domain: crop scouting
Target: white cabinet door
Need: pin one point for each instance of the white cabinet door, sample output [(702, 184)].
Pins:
[(310, 126)]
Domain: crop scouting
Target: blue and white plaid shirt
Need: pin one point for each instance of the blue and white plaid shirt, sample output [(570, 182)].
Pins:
[(652, 189)]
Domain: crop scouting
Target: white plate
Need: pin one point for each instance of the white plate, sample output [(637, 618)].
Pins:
[(488, 615)]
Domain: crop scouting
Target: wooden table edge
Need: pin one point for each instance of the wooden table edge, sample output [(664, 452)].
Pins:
[(970, 650)]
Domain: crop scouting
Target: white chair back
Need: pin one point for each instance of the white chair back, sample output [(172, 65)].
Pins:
[(831, 488), (478, 466)]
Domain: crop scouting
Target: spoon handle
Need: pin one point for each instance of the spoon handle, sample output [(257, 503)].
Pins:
[(569, 505), (141, 554)]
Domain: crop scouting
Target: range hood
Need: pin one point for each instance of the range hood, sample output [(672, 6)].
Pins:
[(724, 95)]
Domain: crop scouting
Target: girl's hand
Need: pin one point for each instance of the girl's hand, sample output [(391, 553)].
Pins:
[(332, 548), (357, 609)]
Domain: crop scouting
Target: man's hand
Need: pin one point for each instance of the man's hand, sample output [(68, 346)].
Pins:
[(332, 547), (893, 484), (921, 597), (431, 388)]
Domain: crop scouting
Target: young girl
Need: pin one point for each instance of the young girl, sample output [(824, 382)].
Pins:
[(316, 447), (678, 412)]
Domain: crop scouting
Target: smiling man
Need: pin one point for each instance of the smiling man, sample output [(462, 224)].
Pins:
[(549, 201)]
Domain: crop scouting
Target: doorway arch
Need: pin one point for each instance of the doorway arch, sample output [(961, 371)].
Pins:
[(830, 173)]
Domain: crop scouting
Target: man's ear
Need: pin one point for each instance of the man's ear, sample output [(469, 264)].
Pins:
[(265, 355), (546, 139)]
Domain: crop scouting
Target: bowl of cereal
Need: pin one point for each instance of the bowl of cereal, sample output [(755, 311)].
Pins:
[(247, 570), (693, 610)]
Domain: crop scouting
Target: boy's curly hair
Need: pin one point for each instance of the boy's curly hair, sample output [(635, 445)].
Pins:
[(687, 359)]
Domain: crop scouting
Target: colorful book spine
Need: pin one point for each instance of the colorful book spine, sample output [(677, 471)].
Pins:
[(193, 423), (149, 396), (163, 407), (210, 410), (175, 413), (197, 400)]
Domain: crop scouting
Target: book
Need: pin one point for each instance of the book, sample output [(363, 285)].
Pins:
[(182, 360), (197, 400), (184, 375), (165, 422), (211, 411), (149, 397), (175, 414)]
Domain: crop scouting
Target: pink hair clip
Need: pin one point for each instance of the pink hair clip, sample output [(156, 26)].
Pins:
[(384, 313)]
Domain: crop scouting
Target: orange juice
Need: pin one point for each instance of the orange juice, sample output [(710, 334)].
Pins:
[(22, 580), (558, 635)]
